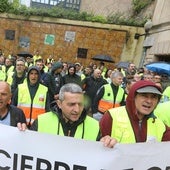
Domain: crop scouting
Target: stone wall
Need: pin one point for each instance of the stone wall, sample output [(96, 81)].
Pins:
[(116, 41)]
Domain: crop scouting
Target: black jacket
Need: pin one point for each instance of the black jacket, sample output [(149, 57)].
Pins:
[(54, 82), (91, 86), (17, 80), (68, 78), (16, 115)]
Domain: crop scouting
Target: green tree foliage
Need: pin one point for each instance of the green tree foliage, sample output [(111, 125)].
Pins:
[(15, 3), (138, 5), (4, 6), (121, 19)]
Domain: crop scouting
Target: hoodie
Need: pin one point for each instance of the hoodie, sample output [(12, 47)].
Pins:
[(54, 80), (69, 129), (72, 78), (55, 66), (130, 104), (140, 133), (33, 87)]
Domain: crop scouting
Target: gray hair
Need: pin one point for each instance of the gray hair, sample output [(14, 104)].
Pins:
[(20, 59), (69, 87), (116, 74)]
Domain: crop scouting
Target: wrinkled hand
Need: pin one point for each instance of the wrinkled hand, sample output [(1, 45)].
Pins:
[(108, 141), (22, 126)]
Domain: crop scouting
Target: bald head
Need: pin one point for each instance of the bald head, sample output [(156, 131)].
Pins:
[(97, 73), (6, 86), (5, 95)]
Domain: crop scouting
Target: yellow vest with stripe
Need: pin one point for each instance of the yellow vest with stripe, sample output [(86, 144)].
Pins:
[(82, 76), (166, 93), (11, 69), (122, 129), (162, 112), (107, 101), (30, 64), (2, 73), (49, 123), (45, 69), (10, 78), (9, 75), (50, 60), (33, 108)]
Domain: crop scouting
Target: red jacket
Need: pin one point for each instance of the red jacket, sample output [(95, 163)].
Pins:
[(140, 134)]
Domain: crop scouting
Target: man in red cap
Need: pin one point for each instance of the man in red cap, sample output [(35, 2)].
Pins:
[(136, 122)]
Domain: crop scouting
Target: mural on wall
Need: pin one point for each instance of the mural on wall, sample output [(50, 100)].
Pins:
[(24, 42), (70, 36), (9, 34), (49, 39)]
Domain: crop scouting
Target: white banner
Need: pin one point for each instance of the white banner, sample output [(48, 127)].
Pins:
[(32, 150)]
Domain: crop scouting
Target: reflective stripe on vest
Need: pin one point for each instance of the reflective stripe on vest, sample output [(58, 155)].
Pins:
[(48, 123), (122, 129), (107, 101), (38, 103)]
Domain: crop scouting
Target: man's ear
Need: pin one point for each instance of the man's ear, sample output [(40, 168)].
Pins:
[(58, 103), (9, 102)]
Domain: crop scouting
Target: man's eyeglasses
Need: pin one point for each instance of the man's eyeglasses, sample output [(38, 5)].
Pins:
[(19, 65)]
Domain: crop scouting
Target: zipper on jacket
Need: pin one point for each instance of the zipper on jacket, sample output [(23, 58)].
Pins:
[(29, 123), (140, 124), (140, 129), (69, 133)]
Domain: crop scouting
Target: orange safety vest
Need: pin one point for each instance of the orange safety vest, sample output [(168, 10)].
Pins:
[(107, 101), (33, 108)]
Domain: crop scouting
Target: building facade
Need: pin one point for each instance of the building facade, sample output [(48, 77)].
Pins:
[(157, 42), (152, 46)]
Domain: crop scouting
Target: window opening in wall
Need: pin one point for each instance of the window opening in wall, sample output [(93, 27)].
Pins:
[(74, 4), (165, 58), (9, 34), (82, 53)]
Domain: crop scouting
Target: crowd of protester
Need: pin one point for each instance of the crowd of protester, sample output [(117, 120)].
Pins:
[(38, 86)]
